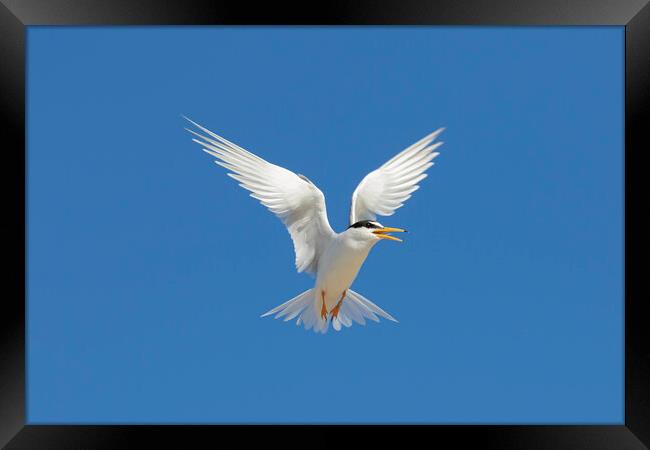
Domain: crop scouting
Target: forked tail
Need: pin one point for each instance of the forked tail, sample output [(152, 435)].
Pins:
[(355, 308)]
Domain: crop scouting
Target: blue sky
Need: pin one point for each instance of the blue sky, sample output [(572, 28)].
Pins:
[(148, 267)]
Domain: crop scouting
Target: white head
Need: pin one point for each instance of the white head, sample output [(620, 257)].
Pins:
[(371, 231)]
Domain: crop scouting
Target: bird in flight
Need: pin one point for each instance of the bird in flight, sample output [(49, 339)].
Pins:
[(333, 258)]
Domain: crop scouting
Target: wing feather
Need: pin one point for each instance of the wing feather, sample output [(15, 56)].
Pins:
[(386, 189), (293, 198)]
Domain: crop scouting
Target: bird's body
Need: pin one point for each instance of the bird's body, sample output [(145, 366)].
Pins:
[(339, 266), (333, 258)]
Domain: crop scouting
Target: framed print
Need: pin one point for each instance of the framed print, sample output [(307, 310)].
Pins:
[(505, 136)]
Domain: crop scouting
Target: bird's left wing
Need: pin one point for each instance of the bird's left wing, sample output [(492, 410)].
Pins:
[(293, 198), (385, 189)]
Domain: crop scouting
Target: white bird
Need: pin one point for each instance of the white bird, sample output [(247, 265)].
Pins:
[(334, 258)]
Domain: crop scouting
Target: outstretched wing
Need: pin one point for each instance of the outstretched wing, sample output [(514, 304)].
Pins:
[(293, 198), (384, 190)]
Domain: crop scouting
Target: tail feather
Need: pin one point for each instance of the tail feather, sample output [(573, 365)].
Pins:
[(353, 312), (370, 305), (298, 303), (279, 307), (355, 308)]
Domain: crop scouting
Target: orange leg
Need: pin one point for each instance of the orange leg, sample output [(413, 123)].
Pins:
[(335, 310), (323, 310)]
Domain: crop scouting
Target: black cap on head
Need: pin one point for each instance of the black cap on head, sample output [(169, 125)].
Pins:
[(365, 224)]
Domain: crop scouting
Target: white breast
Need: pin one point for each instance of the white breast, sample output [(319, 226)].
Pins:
[(339, 266)]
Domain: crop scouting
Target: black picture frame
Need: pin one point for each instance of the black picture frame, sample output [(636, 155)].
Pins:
[(16, 15)]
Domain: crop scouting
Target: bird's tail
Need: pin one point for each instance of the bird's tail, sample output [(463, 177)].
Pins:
[(354, 308)]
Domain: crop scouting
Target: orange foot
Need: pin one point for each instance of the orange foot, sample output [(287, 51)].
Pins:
[(335, 310), (323, 310)]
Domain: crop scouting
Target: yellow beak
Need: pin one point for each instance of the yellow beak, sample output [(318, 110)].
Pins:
[(381, 233)]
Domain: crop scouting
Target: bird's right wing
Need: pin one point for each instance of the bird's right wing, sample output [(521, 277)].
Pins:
[(385, 189), (293, 198)]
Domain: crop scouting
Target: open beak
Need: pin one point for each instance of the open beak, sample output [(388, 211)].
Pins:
[(383, 233)]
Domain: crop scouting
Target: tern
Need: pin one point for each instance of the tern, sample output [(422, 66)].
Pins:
[(333, 258)]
